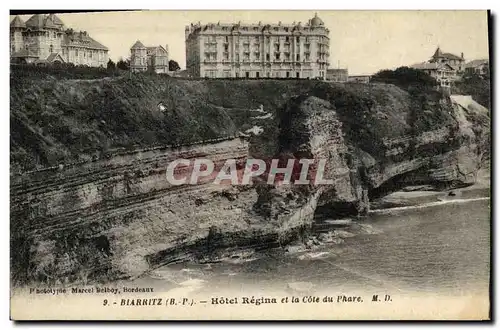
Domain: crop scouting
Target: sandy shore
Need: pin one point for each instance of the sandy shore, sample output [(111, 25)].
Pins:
[(420, 195)]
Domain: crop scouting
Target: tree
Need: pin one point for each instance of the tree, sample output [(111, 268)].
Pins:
[(111, 65), (405, 78), (173, 66), (475, 85), (123, 64)]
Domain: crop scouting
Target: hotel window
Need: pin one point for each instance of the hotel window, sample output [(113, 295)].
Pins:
[(267, 57), (287, 56), (287, 39), (257, 74), (277, 56), (76, 52), (226, 48), (307, 57), (226, 56), (51, 49), (268, 74), (257, 56), (247, 74), (288, 74), (298, 39), (226, 39), (298, 58)]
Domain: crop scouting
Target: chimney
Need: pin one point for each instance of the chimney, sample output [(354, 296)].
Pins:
[(462, 55)]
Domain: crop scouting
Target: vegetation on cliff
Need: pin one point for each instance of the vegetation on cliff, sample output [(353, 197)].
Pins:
[(56, 118), (475, 85), (406, 78)]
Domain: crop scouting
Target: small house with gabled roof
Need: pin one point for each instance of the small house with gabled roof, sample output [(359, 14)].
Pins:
[(152, 58), (455, 61)]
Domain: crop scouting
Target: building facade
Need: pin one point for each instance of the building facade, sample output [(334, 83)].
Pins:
[(364, 79), (258, 50), (444, 73), (481, 67), (456, 62), (43, 39), (444, 67), (337, 75), (144, 58)]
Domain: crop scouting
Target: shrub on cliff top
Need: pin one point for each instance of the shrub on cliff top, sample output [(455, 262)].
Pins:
[(475, 85), (405, 78)]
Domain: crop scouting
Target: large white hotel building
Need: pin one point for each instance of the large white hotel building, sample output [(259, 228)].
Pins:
[(258, 50)]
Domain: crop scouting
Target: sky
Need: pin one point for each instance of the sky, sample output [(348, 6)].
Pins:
[(362, 41)]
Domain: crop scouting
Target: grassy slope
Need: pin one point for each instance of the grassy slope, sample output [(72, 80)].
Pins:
[(64, 120)]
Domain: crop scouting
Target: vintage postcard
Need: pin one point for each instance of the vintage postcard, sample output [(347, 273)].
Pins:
[(250, 165)]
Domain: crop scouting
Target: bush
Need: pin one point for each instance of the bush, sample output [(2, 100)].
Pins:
[(406, 78), (64, 71), (475, 85)]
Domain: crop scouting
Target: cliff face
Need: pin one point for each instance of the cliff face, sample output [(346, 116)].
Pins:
[(115, 215), (363, 163)]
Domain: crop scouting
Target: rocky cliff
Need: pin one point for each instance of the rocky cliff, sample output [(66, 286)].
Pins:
[(112, 214), (364, 163)]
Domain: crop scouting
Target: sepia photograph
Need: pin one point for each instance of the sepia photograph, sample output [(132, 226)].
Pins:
[(250, 165)]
